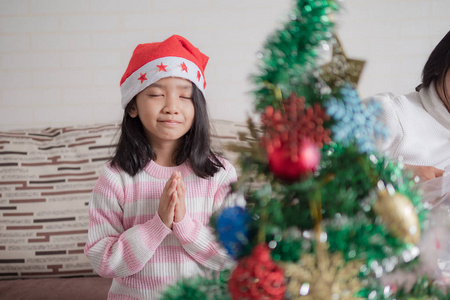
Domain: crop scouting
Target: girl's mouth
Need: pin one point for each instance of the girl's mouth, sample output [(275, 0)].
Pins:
[(170, 123)]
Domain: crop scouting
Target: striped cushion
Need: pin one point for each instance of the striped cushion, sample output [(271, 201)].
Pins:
[(46, 177)]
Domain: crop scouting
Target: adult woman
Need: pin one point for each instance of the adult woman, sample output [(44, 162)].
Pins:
[(419, 122)]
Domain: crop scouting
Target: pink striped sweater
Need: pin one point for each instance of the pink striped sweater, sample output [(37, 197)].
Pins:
[(128, 241)]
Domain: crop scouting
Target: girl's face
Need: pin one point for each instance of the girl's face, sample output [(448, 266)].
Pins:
[(166, 110), (443, 89)]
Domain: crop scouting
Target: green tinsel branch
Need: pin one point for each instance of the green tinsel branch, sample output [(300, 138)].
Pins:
[(423, 289), (199, 288), (289, 57)]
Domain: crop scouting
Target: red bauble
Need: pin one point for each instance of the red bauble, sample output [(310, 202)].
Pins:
[(257, 277), (291, 167)]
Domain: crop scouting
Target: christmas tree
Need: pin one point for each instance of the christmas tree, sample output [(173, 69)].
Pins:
[(326, 215)]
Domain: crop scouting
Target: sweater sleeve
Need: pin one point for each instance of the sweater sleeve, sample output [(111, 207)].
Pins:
[(390, 118), (112, 250), (198, 240)]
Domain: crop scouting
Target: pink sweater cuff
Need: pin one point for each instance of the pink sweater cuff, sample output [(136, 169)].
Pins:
[(155, 232), (185, 230)]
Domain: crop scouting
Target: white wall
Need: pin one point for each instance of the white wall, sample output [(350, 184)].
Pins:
[(61, 60), (395, 37)]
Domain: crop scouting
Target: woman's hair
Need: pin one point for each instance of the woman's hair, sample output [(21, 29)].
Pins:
[(134, 152), (437, 66)]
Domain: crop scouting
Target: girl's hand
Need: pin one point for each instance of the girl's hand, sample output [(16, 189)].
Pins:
[(425, 172), (180, 207), (166, 209)]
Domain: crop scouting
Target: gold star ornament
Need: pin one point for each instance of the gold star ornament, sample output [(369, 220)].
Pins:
[(341, 69)]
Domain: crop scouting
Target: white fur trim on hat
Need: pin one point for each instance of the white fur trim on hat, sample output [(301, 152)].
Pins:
[(157, 69)]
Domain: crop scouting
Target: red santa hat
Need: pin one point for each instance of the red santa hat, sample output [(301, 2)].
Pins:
[(174, 57)]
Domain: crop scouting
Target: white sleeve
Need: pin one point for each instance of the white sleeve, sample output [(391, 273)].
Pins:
[(389, 116)]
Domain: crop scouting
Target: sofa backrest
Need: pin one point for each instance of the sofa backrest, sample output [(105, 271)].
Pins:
[(46, 178)]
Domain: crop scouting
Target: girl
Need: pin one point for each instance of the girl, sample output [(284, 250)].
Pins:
[(151, 205)]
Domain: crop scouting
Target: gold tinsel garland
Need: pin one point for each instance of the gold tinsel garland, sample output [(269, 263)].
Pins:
[(321, 275)]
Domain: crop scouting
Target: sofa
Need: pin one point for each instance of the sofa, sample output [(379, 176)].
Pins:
[(46, 178)]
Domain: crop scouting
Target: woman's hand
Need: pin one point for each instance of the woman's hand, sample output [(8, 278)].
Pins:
[(166, 209), (425, 172), (180, 207)]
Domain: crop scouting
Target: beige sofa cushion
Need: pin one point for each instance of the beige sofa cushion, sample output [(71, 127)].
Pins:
[(46, 177)]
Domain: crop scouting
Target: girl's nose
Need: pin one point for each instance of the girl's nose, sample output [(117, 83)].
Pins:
[(171, 106)]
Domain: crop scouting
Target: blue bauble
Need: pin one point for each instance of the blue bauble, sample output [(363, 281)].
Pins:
[(232, 226)]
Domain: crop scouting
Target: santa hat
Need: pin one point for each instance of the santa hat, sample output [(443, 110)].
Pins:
[(174, 57)]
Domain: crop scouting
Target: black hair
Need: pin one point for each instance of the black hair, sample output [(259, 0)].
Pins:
[(134, 152), (437, 66)]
